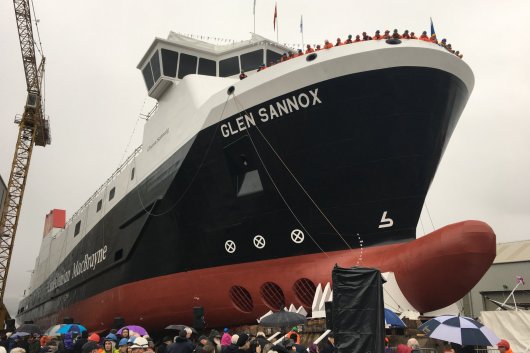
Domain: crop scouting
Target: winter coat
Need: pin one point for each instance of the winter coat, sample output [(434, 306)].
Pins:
[(181, 345), (226, 340)]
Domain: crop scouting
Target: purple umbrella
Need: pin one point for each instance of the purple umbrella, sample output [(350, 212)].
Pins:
[(138, 329)]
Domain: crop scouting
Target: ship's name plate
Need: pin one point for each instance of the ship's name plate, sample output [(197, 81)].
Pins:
[(87, 262), (274, 110)]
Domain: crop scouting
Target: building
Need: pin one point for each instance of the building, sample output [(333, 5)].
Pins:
[(513, 259)]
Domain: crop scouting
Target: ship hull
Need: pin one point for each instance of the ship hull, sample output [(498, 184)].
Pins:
[(347, 167), (422, 268)]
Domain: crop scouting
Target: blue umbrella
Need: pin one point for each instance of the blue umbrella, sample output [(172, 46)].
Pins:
[(71, 328), (392, 320)]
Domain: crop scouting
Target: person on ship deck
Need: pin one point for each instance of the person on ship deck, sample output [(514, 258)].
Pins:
[(424, 36)]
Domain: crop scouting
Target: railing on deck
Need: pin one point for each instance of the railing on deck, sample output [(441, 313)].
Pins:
[(106, 183)]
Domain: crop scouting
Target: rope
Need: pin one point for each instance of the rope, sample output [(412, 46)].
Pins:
[(427, 208), (298, 182), (41, 51), (278, 190), (134, 130), (423, 229), (399, 308), (194, 176)]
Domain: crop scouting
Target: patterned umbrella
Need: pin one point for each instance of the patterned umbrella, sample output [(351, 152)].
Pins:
[(138, 329), (392, 320), (52, 331), (459, 329), (71, 328)]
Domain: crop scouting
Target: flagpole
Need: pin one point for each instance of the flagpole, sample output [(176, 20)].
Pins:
[(302, 30), (254, 11), (277, 30)]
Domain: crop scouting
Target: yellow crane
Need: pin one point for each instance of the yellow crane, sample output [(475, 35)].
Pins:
[(34, 129)]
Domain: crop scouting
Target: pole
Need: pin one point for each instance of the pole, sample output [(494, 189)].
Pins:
[(302, 30), (511, 294), (254, 12), (277, 30)]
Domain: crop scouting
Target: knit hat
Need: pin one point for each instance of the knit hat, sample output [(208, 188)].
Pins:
[(242, 340), (503, 343), (89, 347), (235, 338)]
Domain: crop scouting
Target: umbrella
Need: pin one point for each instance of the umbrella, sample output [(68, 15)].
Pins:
[(19, 334), (180, 328), (138, 329), (459, 329), (283, 318), (29, 328), (52, 331), (71, 328), (392, 320)]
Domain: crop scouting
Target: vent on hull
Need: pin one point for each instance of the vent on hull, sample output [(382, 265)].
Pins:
[(241, 299), (272, 295)]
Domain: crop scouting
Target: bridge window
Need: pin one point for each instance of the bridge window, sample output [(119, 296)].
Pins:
[(111, 193), (151, 71), (251, 61), (207, 67), (187, 65), (169, 62), (148, 76), (155, 66), (100, 203), (272, 56), (229, 67)]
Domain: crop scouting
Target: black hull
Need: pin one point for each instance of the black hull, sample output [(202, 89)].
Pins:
[(371, 146)]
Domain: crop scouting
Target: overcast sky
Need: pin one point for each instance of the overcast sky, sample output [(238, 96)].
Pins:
[(94, 94)]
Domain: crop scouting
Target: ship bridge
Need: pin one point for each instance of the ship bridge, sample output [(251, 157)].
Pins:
[(169, 60)]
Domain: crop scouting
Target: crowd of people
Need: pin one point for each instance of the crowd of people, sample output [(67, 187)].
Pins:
[(362, 38), (185, 342), (188, 341)]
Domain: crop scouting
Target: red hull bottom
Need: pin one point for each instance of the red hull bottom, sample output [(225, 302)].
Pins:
[(433, 271)]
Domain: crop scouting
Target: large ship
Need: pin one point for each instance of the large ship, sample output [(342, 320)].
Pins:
[(245, 193)]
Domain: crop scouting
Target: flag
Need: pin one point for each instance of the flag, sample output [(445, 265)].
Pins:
[(520, 279), (275, 15), (301, 25), (432, 28), (254, 10)]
